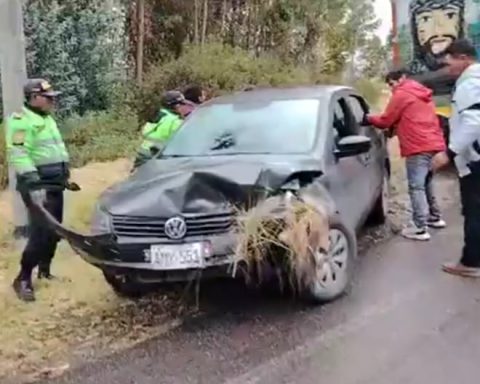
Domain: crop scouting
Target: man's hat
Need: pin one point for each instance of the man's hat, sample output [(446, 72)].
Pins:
[(172, 98), (41, 87)]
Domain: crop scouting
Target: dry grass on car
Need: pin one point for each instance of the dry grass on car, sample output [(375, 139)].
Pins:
[(280, 232)]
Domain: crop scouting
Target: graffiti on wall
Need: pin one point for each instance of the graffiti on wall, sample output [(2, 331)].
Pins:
[(425, 28), (434, 24)]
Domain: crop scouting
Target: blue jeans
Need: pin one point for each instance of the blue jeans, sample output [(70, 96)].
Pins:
[(420, 188)]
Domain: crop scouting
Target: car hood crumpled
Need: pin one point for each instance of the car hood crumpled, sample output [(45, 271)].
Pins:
[(192, 185)]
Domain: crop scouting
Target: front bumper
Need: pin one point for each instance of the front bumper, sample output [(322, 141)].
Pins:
[(130, 256)]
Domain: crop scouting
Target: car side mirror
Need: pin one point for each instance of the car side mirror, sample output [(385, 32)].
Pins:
[(352, 146)]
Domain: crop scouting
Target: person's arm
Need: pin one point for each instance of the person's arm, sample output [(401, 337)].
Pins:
[(174, 125), (19, 140), (467, 128), (391, 115)]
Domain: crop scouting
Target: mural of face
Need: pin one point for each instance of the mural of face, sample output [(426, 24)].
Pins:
[(435, 25), (437, 28)]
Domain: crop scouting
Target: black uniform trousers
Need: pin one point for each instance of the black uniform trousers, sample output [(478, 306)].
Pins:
[(42, 240), (470, 196)]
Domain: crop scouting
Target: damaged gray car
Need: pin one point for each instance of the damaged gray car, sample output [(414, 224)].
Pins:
[(174, 216)]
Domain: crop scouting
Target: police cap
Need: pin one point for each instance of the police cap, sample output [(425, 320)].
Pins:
[(172, 98), (40, 87)]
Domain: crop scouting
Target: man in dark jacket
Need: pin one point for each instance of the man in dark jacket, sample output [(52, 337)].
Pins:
[(412, 112)]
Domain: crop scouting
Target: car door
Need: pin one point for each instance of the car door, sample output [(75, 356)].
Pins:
[(344, 176), (374, 160)]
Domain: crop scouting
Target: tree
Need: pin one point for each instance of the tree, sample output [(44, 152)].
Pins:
[(79, 46), (373, 59), (141, 38)]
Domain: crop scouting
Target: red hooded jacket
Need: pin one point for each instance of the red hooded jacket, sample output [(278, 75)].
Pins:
[(412, 112)]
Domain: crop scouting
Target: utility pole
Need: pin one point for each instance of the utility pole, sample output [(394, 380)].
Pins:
[(14, 73), (141, 39)]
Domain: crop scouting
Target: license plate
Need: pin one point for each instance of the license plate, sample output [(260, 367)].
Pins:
[(178, 256)]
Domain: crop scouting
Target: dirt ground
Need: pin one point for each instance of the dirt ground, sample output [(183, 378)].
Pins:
[(79, 309), (78, 317)]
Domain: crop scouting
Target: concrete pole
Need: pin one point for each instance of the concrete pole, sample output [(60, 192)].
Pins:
[(14, 74)]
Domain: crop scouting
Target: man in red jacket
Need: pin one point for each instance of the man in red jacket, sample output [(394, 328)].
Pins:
[(411, 112)]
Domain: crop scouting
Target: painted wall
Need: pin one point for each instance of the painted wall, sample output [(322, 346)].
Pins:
[(425, 28)]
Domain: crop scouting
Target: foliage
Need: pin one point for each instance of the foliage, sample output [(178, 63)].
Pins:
[(371, 90), (323, 33), (374, 57), (236, 70), (100, 136), (79, 47)]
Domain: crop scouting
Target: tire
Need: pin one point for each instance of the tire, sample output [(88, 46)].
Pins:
[(125, 286), (334, 276), (379, 213)]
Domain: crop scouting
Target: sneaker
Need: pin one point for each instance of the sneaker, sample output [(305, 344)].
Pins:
[(437, 224), (415, 233), (24, 289)]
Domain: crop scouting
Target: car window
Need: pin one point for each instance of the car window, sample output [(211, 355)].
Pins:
[(356, 108), (343, 122), (248, 127)]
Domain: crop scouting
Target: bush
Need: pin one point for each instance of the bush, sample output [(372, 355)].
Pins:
[(370, 89), (222, 68), (218, 67), (80, 46), (100, 136)]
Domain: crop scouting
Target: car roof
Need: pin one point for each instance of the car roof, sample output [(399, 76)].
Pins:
[(279, 93)]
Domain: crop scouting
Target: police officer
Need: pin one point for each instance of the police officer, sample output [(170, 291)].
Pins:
[(155, 134), (39, 157)]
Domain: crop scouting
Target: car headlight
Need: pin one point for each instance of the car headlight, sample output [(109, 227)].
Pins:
[(101, 222)]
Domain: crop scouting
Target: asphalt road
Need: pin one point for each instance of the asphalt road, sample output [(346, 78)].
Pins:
[(405, 321)]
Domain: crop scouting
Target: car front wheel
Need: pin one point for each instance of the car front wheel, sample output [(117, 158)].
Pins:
[(333, 272)]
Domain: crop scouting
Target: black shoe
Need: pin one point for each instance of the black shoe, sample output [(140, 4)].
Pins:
[(44, 273), (24, 289)]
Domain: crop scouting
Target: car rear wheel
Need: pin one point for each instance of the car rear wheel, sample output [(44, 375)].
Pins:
[(379, 213), (333, 271), (125, 286)]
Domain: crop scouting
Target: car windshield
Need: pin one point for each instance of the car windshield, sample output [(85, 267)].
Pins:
[(276, 127)]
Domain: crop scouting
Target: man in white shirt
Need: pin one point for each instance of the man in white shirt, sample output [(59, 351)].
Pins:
[(464, 150)]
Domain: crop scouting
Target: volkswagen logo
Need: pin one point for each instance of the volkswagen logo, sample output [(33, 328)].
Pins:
[(175, 228)]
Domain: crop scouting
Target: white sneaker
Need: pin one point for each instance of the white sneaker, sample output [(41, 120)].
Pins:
[(415, 233), (437, 224)]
